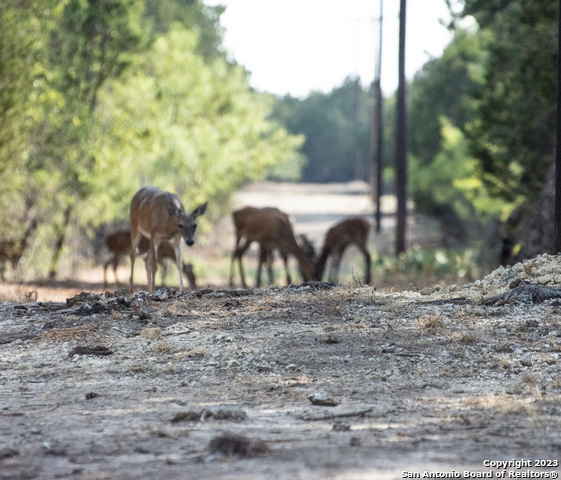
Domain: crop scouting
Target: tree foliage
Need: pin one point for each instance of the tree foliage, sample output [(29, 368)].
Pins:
[(100, 97), (337, 131), (511, 133), (494, 88), (187, 125), (439, 107)]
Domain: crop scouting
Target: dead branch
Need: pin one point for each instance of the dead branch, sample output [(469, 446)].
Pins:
[(334, 415)]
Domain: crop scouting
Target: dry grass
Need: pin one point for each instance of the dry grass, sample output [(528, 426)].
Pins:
[(66, 334), (433, 323)]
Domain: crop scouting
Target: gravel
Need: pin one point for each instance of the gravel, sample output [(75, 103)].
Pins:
[(312, 381)]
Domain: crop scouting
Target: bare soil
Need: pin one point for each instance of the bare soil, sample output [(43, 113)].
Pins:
[(313, 381)]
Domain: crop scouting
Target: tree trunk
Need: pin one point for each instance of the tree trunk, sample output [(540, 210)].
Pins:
[(538, 232), (401, 142), (53, 269)]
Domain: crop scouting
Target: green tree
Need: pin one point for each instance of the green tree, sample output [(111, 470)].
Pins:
[(186, 125), (202, 19), (512, 131), (439, 104), (19, 44), (23, 27), (100, 97), (442, 88), (87, 46), (337, 131)]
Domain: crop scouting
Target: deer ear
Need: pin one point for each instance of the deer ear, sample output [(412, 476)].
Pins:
[(199, 210)]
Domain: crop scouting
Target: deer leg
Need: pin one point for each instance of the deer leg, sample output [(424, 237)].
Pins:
[(265, 256), (188, 270), (107, 263), (232, 263), (284, 256), (262, 258), (368, 265), (334, 268), (153, 264), (235, 254), (135, 240), (115, 265), (146, 258), (239, 253), (270, 260), (178, 261), (164, 266)]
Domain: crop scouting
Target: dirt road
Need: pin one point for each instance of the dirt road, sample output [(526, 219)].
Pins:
[(308, 382)]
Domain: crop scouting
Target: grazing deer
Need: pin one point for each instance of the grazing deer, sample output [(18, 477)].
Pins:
[(266, 255), (160, 216), (272, 229), (353, 231), (167, 251), (119, 244), (12, 250)]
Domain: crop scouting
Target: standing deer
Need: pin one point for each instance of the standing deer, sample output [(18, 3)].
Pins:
[(167, 251), (160, 216), (119, 244), (353, 231), (242, 220), (272, 229)]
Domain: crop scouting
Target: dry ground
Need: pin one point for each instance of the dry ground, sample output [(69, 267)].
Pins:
[(216, 384), (119, 387)]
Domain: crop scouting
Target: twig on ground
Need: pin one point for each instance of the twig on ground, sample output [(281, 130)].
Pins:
[(310, 418)]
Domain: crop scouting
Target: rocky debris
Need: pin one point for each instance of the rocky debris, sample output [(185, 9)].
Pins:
[(232, 445), (97, 350), (8, 452), (542, 270), (322, 399), (207, 414), (525, 294)]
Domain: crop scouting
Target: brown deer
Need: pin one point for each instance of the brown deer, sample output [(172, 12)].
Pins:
[(119, 244), (12, 250), (272, 229), (266, 255), (353, 231), (240, 219), (160, 216), (167, 251)]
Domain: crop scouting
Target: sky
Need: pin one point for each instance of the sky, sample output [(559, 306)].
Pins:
[(299, 46)]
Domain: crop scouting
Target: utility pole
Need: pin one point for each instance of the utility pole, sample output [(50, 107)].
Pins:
[(557, 240), (401, 141), (378, 128)]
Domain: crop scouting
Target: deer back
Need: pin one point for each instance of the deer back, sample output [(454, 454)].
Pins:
[(119, 242), (350, 231), (156, 213), (165, 251)]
